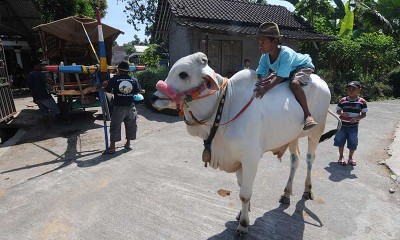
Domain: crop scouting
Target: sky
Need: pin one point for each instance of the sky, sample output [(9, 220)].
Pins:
[(117, 18)]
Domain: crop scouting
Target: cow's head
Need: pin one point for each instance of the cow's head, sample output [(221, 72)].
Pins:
[(186, 75)]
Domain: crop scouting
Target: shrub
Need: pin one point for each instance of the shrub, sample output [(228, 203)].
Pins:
[(149, 77), (368, 58), (394, 80), (151, 57)]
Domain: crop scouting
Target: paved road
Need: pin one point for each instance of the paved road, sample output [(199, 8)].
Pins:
[(57, 185)]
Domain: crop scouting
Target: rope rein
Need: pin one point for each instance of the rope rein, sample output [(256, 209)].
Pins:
[(204, 121)]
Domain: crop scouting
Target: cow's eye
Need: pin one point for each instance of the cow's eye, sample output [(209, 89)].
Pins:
[(183, 75)]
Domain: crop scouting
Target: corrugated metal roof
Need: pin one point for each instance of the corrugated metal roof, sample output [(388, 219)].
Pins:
[(17, 17)]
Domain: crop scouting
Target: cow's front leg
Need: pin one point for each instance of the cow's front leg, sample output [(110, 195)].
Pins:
[(312, 147), (239, 181), (248, 174), (294, 163)]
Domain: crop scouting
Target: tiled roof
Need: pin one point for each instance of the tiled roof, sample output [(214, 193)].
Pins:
[(251, 30), (236, 11), (234, 16)]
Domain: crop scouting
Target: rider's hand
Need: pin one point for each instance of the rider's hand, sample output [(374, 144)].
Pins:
[(262, 89)]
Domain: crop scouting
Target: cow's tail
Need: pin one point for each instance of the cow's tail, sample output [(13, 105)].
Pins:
[(332, 132)]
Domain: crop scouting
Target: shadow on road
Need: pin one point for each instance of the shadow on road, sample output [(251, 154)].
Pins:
[(339, 172), (100, 159), (67, 158), (276, 224), (31, 121), (150, 115)]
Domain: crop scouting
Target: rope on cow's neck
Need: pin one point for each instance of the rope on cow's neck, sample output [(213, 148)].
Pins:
[(204, 121), (206, 156)]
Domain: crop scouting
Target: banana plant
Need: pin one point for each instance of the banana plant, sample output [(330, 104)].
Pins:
[(383, 15), (347, 23), (309, 9)]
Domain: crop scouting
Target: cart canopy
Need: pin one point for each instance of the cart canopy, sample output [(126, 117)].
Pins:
[(65, 40)]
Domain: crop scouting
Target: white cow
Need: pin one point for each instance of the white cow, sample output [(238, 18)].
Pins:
[(247, 129)]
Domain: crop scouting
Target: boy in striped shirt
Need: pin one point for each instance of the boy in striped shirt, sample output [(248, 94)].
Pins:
[(351, 110)]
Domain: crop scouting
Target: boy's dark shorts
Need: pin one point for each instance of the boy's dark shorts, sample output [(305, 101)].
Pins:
[(349, 134)]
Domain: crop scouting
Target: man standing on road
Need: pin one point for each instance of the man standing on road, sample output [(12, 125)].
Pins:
[(123, 87)]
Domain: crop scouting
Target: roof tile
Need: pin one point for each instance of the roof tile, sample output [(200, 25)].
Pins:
[(231, 10), (236, 16)]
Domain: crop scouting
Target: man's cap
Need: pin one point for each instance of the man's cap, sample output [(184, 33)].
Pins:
[(268, 29), (123, 66), (356, 84)]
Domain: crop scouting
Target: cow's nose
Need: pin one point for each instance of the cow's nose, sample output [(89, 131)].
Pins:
[(153, 99)]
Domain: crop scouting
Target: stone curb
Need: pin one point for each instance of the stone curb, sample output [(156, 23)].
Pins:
[(393, 162)]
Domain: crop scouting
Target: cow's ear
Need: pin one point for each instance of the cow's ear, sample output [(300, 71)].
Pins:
[(203, 58), (210, 83), (210, 79)]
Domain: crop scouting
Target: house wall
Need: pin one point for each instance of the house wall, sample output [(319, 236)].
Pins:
[(249, 45), (184, 41), (179, 42), (118, 56)]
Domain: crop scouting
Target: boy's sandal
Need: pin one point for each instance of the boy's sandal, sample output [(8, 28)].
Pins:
[(341, 162), (109, 151), (352, 162), (128, 147), (309, 124)]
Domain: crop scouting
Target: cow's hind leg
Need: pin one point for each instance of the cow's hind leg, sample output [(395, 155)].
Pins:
[(246, 178), (294, 161), (312, 147)]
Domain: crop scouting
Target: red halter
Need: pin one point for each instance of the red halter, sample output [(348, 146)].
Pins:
[(186, 96)]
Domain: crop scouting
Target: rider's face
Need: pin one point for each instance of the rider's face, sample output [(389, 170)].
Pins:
[(266, 44)]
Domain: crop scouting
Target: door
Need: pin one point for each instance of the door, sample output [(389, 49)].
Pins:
[(231, 57), (224, 56)]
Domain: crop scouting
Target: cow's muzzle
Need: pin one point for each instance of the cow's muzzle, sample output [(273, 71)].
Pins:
[(153, 99)]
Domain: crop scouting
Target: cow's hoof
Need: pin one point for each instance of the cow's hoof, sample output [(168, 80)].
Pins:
[(241, 232), (284, 200), (308, 195), (239, 235), (238, 215)]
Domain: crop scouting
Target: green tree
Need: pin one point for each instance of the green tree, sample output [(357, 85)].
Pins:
[(322, 15), (129, 48), (381, 15), (52, 10), (137, 41), (151, 56), (141, 12)]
